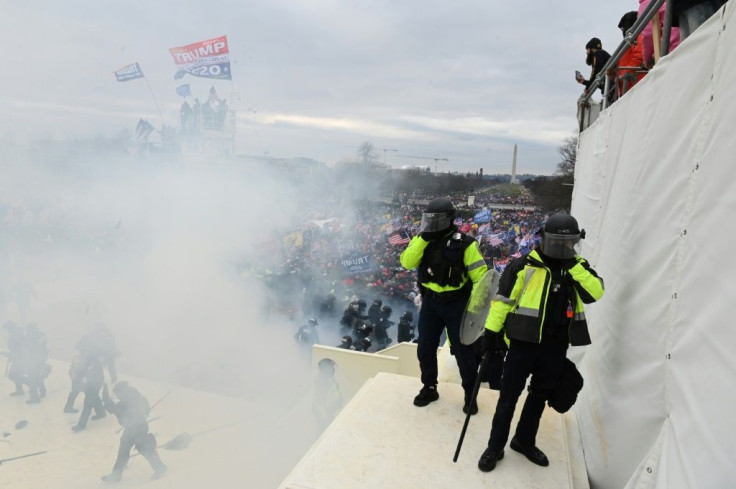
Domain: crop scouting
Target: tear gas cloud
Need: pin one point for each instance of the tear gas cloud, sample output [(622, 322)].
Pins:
[(158, 250)]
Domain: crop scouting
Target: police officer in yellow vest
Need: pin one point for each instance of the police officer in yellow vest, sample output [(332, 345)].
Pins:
[(539, 307), (448, 263)]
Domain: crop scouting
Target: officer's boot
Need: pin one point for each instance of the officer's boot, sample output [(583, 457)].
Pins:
[(114, 476), (526, 430), (18, 390)]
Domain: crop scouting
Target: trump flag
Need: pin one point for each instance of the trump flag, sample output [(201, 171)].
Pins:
[(205, 59), (129, 72)]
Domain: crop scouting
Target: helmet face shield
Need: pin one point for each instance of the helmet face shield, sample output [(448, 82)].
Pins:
[(561, 246), (435, 221)]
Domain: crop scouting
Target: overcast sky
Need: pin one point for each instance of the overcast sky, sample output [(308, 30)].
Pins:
[(460, 80)]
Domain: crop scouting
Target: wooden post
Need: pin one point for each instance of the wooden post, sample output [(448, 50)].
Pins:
[(656, 37)]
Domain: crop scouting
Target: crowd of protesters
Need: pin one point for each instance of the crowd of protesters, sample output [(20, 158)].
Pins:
[(333, 263), (482, 198)]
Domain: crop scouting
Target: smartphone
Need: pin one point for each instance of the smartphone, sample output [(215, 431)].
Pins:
[(578, 75)]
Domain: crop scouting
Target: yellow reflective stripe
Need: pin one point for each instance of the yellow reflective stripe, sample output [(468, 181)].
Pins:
[(527, 278), (475, 265), (447, 288), (527, 311), (504, 299), (473, 256)]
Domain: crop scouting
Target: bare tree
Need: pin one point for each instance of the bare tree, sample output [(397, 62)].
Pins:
[(554, 193), (367, 153), (568, 151)]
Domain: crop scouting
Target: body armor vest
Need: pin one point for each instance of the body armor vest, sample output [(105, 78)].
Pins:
[(443, 260)]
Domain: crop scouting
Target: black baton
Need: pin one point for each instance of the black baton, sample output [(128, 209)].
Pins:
[(476, 388)]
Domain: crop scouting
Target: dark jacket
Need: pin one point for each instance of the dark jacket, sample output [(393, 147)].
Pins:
[(132, 409), (597, 60), (521, 304)]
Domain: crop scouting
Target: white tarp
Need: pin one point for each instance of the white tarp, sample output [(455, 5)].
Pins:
[(656, 191)]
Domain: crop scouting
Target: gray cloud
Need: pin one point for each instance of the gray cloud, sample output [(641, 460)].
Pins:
[(470, 78)]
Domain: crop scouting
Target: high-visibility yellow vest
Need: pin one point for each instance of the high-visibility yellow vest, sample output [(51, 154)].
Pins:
[(522, 313)]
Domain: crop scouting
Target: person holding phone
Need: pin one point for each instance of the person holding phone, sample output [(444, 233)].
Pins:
[(596, 58)]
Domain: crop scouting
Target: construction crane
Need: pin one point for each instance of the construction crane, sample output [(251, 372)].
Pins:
[(427, 158), (386, 150)]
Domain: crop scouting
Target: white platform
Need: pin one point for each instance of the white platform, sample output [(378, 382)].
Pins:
[(260, 445), (381, 440)]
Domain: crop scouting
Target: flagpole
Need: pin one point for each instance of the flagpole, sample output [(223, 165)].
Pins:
[(163, 123)]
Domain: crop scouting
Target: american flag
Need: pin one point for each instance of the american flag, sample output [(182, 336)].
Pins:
[(495, 241), (399, 238)]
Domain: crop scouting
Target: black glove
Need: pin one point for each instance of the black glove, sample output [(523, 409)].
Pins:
[(568, 264), (492, 342)]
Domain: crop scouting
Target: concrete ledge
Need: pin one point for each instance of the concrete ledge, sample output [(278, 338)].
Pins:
[(381, 440)]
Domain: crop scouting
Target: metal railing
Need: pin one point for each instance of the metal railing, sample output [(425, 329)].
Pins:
[(629, 40)]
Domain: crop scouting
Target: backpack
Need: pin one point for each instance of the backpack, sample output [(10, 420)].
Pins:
[(565, 392)]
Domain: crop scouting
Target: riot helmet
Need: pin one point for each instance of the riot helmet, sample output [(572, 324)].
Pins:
[(386, 310), (312, 322), (347, 340), (438, 216), (560, 235), (408, 316), (378, 302), (121, 388), (361, 304)]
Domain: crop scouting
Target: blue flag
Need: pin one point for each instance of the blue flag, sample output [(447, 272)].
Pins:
[(184, 90), (482, 216), (129, 72)]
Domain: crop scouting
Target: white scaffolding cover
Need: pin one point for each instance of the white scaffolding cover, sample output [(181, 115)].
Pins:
[(656, 191)]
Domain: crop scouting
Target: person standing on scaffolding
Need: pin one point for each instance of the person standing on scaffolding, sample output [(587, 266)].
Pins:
[(596, 57)]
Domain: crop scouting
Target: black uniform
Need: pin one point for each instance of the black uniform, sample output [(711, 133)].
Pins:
[(92, 378), (76, 374), (374, 312), (347, 343), (352, 318), (101, 343), (15, 367), (364, 344), (132, 411), (381, 327), (35, 368), (405, 328)]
